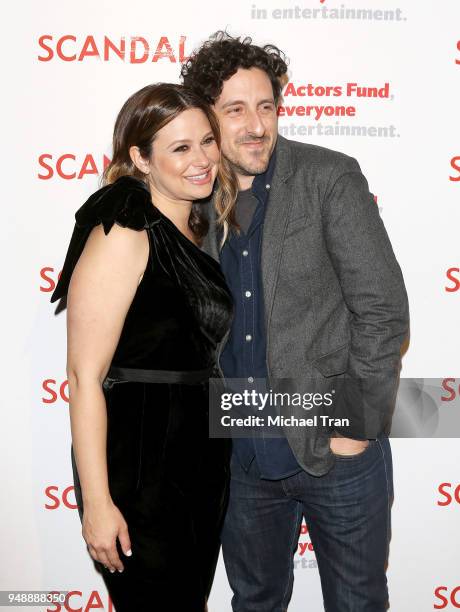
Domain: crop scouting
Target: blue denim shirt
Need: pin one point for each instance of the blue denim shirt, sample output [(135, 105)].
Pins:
[(244, 355)]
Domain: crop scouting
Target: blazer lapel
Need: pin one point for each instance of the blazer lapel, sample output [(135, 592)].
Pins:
[(275, 223)]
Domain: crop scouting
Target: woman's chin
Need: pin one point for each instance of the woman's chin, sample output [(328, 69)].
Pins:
[(199, 192)]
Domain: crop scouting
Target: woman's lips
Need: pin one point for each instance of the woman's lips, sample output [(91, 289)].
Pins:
[(200, 179)]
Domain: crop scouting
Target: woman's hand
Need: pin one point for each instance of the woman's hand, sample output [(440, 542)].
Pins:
[(102, 525)]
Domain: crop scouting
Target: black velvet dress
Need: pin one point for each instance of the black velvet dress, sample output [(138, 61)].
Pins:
[(167, 477)]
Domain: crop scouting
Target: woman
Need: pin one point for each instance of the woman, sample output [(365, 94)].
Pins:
[(146, 311)]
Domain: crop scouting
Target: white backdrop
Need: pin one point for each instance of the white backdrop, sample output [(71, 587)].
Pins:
[(60, 97)]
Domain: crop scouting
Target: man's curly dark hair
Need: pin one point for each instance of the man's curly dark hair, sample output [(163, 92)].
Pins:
[(220, 57)]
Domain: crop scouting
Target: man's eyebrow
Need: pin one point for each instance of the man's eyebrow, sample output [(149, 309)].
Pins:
[(234, 102)]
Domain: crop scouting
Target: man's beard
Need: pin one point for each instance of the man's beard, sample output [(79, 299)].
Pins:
[(244, 169)]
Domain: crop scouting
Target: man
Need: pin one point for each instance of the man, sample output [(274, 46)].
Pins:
[(318, 294)]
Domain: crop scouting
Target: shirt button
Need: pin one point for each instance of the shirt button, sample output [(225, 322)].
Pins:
[(267, 186), (251, 379), (248, 294), (248, 338), (245, 253)]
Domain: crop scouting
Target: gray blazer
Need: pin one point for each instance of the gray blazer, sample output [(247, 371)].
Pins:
[(336, 308)]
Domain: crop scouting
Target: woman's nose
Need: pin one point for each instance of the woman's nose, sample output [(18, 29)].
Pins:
[(201, 159)]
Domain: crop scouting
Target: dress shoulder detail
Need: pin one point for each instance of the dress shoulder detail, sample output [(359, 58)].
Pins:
[(126, 202)]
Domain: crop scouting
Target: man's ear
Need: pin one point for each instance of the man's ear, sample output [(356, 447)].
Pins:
[(140, 162)]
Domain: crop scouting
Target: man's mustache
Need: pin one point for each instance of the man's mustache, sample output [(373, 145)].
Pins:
[(252, 139)]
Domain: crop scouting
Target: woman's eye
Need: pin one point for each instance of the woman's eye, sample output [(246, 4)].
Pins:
[(235, 110), (209, 140), (181, 148)]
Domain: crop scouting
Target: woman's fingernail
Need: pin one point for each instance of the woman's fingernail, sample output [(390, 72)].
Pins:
[(120, 571), (111, 571), (129, 553)]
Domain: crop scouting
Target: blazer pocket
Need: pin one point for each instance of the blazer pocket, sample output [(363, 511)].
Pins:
[(333, 363)]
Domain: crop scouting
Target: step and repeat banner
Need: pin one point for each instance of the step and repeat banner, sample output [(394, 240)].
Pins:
[(376, 79)]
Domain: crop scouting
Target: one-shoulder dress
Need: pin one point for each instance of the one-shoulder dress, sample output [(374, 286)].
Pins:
[(166, 475)]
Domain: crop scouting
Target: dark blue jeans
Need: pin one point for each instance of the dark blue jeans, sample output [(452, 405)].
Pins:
[(348, 516)]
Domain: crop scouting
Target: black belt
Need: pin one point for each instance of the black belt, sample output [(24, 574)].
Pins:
[(189, 377)]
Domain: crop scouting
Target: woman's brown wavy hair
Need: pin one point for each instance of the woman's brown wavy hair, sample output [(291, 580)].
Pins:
[(139, 120)]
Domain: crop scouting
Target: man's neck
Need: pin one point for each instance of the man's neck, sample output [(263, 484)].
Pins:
[(244, 182)]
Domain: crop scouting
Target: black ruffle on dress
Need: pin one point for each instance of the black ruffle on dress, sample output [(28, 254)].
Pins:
[(167, 477)]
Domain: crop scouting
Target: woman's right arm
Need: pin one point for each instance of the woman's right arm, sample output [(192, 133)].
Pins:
[(101, 291)]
